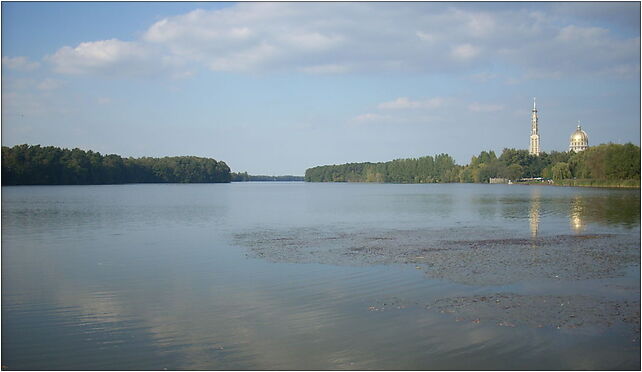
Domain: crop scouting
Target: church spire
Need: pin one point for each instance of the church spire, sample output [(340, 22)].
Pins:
[(534, 143)]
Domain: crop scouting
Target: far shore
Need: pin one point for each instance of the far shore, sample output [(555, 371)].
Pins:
[(601, 186), (595, 184)]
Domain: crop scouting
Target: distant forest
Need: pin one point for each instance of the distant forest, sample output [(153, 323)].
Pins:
[(603, 165), (36, 165), (611, 164), (244, 177)]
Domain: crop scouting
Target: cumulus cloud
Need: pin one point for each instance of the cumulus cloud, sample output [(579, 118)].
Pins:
[(255, 37), (336, 38), (19, 63), (106, 57)]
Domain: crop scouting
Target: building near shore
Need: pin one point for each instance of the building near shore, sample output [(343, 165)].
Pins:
[(579, 140), (534, 145), (498, 180)]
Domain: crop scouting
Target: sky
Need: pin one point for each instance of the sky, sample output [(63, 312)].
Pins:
[(276, 88)]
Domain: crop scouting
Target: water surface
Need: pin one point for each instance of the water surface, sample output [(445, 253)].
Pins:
[(320, 276)]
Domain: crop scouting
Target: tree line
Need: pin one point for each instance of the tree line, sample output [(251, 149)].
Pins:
[(36, 165), (244, 177), (607, 162), (427, 169)]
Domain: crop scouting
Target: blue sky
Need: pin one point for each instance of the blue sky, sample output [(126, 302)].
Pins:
[(275, 88)]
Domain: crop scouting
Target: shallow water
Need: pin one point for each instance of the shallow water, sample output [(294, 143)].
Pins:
[(320, 276)]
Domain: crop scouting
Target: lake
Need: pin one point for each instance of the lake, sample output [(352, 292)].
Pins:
[(320, 276)]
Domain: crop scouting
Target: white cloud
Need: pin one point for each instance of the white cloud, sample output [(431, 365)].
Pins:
[(106, 57), (574, 33), (249, 37), (404, 110), (465, 52), (481, 24), (321, 38), (368, 117), (406, 103), (313, 41), (425, 36), (407, 110), (574, 50), (19, 63)]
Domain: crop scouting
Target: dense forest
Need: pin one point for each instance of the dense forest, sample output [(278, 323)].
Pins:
[(244, 177), (427, 169), (36, 165), (610, 164)]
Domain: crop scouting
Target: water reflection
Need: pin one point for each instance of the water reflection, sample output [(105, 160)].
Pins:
[(620, 208), (617, 208), (533, 215), (576, 215), (148, 276), (486, 205)]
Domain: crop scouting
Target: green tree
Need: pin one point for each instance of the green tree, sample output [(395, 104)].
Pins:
[(512, 172), (561, 171), (36, 165)]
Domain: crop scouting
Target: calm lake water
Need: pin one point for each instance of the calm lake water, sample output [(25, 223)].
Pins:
[(320, 276)]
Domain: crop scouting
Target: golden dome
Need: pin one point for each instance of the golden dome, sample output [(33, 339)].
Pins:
[(579, 135), (578, 140)]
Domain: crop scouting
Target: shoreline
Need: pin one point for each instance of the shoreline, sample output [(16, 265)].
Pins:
[(588, 183), (608, 186)]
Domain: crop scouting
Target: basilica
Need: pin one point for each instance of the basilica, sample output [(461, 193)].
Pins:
[(579, 140), (577, 143)]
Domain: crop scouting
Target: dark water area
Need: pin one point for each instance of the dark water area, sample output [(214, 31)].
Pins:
[(320, 276)]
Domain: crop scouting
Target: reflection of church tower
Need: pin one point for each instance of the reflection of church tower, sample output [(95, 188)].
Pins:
[(533, 213), (534, 147)]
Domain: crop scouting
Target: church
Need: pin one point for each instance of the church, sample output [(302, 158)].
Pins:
[(578, 141)]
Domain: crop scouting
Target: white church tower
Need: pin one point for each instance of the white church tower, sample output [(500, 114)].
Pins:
[(534, 147)]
